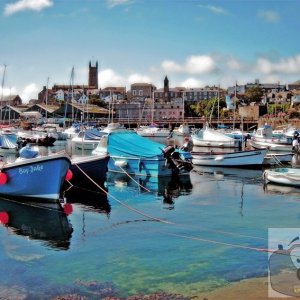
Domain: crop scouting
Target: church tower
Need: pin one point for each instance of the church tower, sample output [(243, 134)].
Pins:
[(93, 75), (166, 90)]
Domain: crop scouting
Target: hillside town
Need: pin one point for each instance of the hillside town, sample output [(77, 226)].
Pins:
[(145, 103)]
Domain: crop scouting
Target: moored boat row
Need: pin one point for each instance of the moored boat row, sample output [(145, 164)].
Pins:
[(122, 151)]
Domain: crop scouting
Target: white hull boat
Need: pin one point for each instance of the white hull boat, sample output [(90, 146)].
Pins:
[(112, 127), (229, 159), (212, 138), (87, 140), (182, 130), (270, 145), (284, 176), (266, 134), (153, 131)]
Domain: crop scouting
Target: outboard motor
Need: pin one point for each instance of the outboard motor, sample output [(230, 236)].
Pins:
[(167, 151), (174, 161), (187, 145), (21, 143)]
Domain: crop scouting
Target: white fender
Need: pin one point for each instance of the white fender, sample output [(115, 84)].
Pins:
[(219, 158), (121, 163)]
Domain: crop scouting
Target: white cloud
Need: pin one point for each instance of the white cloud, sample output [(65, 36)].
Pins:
[(192, 83), (263, 65), (268, 16), (137, 78), (171, 66), (290, 65), (21, 5), (195, 64), (30, 92), (199, 64), (114, 3), (108, 77), (235, 64), (215, 9), (220, 68)]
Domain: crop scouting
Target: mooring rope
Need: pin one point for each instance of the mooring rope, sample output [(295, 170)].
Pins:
[(132, 177), (122, 203), (183, 225), (167, 222), (277, 160), (220, 243)]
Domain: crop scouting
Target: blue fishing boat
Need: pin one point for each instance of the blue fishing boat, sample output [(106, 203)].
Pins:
[(89, 169), (133, 154), (38, 177)]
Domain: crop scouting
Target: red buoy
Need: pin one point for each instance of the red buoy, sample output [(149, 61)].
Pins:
[(3, 178), (68, 208), (69, 175), (4, 217)]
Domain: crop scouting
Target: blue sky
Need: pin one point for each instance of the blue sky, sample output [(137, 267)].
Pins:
[(194, 42)]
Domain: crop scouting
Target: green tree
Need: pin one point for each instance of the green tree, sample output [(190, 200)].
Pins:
[(96, 101), (253, 94), (209, 108)]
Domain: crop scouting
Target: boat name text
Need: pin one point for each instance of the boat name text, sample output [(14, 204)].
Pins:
[(31, 169)]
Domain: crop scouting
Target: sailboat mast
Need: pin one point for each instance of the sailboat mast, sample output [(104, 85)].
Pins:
[(87, 109), (112, 108), (2, 85), (218, 103), (234, 106), (183, 101), (2, 88), (152, 113), (47, 98), (72, 92)]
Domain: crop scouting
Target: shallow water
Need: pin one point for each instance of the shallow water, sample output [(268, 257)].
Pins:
[(184, 236)]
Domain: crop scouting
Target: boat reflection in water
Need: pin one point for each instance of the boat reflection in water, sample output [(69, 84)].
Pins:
[(219, 173), (270, 188), (90, 199), (167, 187), (47, 222)]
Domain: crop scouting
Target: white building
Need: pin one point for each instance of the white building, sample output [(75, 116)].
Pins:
[(60, 95), (83, 99)]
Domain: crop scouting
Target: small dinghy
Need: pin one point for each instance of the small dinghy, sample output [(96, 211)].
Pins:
[(284, 176)]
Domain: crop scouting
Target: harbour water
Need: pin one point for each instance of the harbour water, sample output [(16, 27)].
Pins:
[(184, 236)]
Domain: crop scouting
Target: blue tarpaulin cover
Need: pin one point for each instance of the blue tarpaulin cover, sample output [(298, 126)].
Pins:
[(93, 134), (132, 144)]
